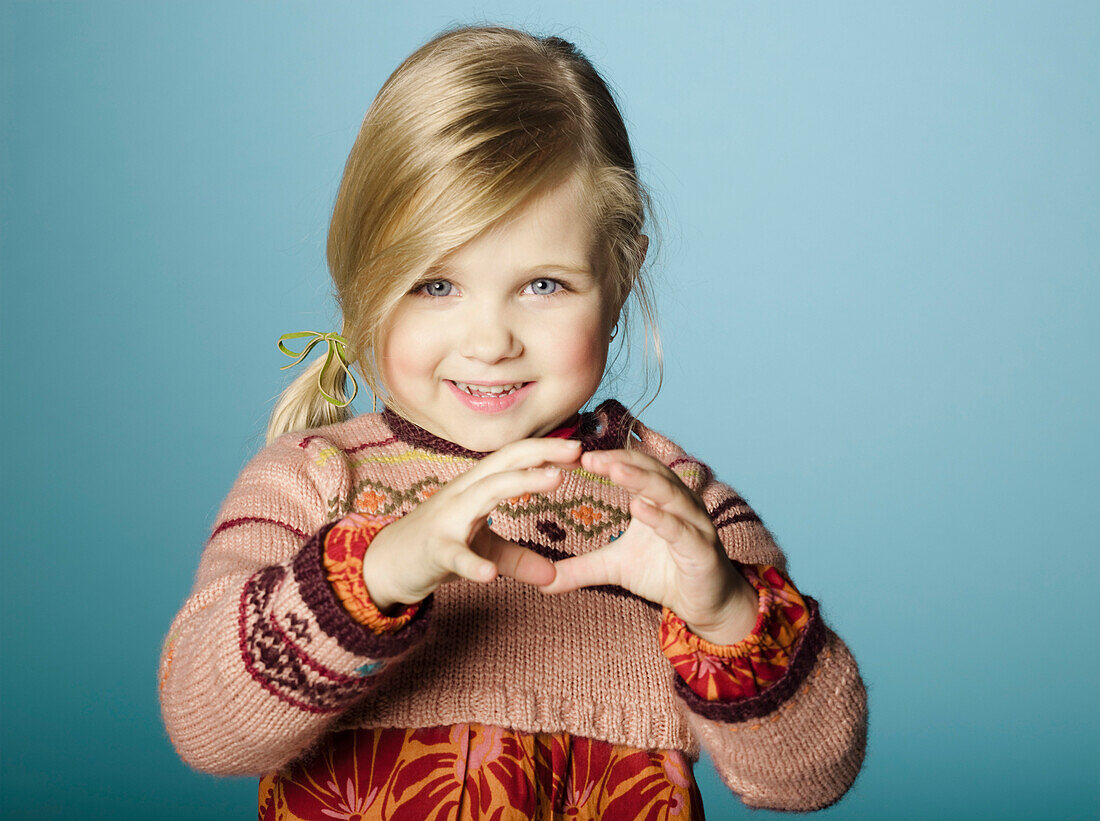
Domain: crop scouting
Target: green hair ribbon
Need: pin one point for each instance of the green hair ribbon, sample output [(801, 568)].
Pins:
[(337, 346)]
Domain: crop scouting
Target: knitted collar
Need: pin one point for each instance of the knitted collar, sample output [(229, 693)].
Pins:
[(604, 428)]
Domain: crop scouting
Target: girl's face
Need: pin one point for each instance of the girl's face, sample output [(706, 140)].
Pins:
[(517, 310)]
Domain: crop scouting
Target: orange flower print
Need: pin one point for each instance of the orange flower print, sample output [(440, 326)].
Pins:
[(369, 501), (474, 771), (341, 783), (586, 515)]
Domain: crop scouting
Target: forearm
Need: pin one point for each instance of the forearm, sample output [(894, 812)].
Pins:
[(805, 754), (738, 691), (255, 669)]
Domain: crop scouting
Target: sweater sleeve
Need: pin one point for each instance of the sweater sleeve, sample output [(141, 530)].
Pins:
[(263, 656), (799, 743)]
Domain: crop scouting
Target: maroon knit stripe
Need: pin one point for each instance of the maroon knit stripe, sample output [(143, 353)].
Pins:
[(305, 660), (278, 665), (246, 656), (802, 661), (378, 444), (685, 460), (737, 518), (248, 520), (601, 429), (305, 442), (416, 436), (333, 617), (731, 502)]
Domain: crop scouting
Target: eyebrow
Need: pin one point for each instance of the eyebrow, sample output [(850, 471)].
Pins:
[(535, 271), (558, 267)]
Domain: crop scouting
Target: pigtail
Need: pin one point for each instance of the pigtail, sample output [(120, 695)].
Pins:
[(302, 405)]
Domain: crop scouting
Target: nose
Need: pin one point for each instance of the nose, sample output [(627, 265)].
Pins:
[(490, 335)]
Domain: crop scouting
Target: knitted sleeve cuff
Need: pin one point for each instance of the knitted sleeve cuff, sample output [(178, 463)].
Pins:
[(751, 678), (392, 637), (299, 642), (345, 545)]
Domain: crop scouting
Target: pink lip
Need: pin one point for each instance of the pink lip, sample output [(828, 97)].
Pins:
[(490, 404)]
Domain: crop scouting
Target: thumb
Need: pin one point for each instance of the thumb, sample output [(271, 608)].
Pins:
[(580, 571), (513, 560)]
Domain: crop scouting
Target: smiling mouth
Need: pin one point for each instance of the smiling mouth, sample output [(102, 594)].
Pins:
[(488, 390)]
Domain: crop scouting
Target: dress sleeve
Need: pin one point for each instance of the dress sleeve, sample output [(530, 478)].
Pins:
[(798, 743), (736, 674), (345, 546), (263, 656)]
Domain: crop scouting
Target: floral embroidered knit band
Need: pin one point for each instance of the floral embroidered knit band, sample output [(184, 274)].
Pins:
[(337, 346)]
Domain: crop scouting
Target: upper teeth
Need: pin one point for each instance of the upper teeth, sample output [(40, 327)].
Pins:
[(489, 389)]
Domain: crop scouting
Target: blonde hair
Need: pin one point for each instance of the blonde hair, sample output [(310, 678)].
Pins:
[(468, 127)]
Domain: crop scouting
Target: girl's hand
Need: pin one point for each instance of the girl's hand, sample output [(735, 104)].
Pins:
[(669, 554), (446, 537)]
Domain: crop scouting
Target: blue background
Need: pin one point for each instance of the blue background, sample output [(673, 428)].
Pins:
[(878, 294)]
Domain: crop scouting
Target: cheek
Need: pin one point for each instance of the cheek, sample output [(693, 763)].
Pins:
[(401, 356), (581, 348)]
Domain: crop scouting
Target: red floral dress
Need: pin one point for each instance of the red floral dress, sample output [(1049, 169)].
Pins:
[(476, 771)]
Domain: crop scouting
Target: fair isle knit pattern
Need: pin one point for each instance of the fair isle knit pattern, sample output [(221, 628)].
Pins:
[(263, 659)]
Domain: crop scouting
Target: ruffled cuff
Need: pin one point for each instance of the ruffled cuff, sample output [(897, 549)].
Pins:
[(736, 681), (345, 545)]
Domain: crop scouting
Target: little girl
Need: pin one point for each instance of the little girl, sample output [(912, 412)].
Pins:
[(485, 601)]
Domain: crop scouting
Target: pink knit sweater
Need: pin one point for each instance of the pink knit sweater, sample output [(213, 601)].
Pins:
[(263, 660)]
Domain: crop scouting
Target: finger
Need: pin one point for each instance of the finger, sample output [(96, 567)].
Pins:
[(692, 551), (604, 461), (515, 561), (524, 453), (582, 571), (668, 526), (478, 500), (460, 560), (656, 483)]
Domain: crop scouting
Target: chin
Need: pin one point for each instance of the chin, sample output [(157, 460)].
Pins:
[(487, 441), (486, 444)]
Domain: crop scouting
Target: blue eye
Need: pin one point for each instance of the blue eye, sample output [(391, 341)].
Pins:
[(439, 287), (544, 287)]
